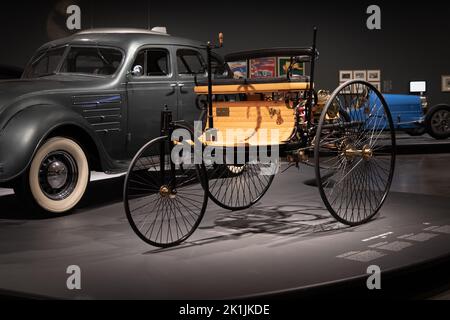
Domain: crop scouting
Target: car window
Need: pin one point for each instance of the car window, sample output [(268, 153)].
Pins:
[(140, 60), (190, 62), (46, 63), (95, 60), (155, 62)]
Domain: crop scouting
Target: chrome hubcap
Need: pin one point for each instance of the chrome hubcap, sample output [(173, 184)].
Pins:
[(57, 174)]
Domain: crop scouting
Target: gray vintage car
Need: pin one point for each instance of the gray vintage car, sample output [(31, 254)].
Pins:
[(89, 102)]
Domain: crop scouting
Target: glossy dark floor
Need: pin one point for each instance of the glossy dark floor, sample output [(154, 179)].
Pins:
[(287, 241)]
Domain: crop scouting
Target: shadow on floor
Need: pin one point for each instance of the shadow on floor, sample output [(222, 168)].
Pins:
[(99, 193), (289, 221)]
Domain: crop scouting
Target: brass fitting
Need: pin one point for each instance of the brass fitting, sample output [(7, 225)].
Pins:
[(297, 156), (366, 152), (164, 191)]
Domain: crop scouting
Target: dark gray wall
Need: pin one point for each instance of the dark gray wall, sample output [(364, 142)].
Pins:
[(412, 45)]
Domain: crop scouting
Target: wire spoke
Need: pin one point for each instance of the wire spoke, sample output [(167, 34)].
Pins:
[(165, 202), (353, 167)]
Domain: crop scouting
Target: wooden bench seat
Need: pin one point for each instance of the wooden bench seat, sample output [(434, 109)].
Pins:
[(253, 88)]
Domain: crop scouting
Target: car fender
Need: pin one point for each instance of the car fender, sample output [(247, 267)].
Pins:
[(25, 132)]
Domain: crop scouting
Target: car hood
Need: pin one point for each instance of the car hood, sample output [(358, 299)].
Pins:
[(401, 99), (13, 90)]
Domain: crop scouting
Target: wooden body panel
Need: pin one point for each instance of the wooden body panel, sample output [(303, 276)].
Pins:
[(252, 123)]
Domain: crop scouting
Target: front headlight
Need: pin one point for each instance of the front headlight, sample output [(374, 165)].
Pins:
[(424, 103)]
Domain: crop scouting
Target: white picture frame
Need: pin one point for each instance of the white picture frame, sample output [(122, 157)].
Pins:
[(445, 81), (360, 75), (345, 75), (373, 75)]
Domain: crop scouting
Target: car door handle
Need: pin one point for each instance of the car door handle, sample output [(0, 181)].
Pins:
[(181, 85), (173, 87)]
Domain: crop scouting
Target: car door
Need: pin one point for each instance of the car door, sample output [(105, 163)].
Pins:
[(101, 104), (190, 65), (148, 92)]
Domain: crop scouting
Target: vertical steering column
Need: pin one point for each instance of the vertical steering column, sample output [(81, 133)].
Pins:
[(311, 81), (209, 70), (209, 47), (166, 124)]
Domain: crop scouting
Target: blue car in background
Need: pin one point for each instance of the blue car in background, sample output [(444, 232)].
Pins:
[(411, 114), (408, 112)]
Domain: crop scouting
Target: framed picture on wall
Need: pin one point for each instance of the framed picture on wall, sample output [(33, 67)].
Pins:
[(360, 75), (373, 75), (345, 75), (263, 68), (284, 63), (446, 83), (239, 69)]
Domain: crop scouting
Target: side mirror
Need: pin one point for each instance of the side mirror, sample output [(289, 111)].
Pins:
[(137, 71)]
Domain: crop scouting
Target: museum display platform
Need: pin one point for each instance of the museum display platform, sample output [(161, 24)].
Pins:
[(424, 144), (286, 243)]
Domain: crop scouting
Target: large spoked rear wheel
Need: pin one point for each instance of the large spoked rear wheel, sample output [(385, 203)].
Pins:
[(239, 186), (355, 152), (164, 202)]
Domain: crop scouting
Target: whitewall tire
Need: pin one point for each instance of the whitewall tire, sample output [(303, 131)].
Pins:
[(58, 175)]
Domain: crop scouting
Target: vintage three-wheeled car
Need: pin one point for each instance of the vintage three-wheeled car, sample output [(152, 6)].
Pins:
[(347, 135)]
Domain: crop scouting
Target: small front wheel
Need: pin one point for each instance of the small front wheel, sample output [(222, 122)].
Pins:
[(238, 187), (164, 202), (355, 152)]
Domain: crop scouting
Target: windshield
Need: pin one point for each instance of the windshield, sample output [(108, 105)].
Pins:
[(45, 63), (79, 60)]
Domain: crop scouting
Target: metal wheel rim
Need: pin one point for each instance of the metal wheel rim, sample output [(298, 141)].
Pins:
[(239, 190), (166, 206), (381, 191), (440, 122)]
